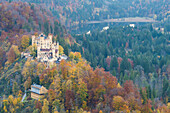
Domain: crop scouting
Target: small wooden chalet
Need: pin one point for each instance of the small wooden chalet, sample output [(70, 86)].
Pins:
[(38, 91)]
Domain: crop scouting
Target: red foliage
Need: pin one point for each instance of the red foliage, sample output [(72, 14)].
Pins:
[(129, 86), (3, 36), (69, 99), (38, 104), (11, 55), (20, 17)]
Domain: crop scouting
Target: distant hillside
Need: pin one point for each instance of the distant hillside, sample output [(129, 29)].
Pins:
[(19, 18), (73, 12)]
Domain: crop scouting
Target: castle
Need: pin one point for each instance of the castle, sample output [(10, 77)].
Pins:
[(47, 51)]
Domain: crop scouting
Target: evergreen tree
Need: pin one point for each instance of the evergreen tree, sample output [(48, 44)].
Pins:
[(46, 28), (165, 87), (125, 65), (113, 63), (15, 88)]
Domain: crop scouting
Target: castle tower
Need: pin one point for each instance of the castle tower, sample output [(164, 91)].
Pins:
[(50, 36), (33, 39), (42, 40)]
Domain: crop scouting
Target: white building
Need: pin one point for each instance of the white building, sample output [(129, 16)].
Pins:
[(47, 51), (132, 25)]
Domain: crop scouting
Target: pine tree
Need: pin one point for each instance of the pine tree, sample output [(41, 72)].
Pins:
[(125, 65), (114, 63), (165, 87)]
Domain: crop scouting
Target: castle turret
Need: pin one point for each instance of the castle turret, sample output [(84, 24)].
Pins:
[(50, 36), (33, 39), (58, 45)]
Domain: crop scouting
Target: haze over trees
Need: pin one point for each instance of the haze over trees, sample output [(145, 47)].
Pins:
[(122, 69)]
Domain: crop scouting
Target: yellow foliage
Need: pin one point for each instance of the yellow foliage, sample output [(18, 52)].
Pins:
[(119, 103), (158, 111), (10, 98), (142, 100), (71, 55), (20, 93), (84, 105), (75, 56), (16, 50), (5, 109), (168, 105), (25, 41), (61, 50), (119, 86), (5, 100), (15, 102), (100, 111)]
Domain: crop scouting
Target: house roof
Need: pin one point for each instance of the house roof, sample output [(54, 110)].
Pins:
[(42, 35), (38, 86), (38, 89)]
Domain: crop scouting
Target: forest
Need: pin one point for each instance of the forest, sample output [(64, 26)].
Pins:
[(122, 69), (73, 13), (140, 54)]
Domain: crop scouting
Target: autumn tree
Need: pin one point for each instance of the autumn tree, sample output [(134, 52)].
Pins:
[(75, 56), (38, 105), (29, 69), (133, 103), (119, 103), (61, 50), (69, 99), (45, 106), (129, 86), (51, 96), (33, 50), (147, 107), (82, 91), (25, 42), (11, 55), (16, 50)]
